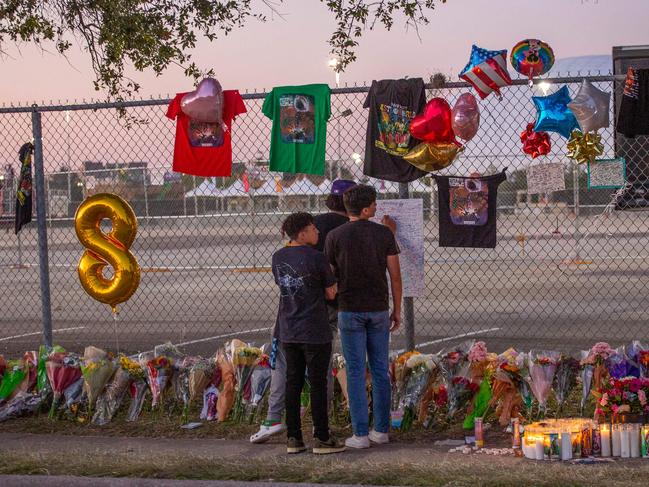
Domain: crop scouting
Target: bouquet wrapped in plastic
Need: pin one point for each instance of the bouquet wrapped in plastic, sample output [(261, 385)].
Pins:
[(201, 374), (96, 369), (542, 367), (259, 385), (137, 387), (481, 369), (455, 369), (63, 370), (158, 372), (3, 366), (643, 359), (210, 398), (594, 372), (399, 378), (225, 399), (510, 391), (16, 371), (620, 364), (420, 369), (565, 379), (110, 400), (22, 404), (244, 360), (182, 369), (27, 371)]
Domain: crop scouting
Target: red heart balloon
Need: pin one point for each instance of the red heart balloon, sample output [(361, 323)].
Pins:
[(434, 125)]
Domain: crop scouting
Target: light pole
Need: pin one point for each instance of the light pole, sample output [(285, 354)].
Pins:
[(334, 63)]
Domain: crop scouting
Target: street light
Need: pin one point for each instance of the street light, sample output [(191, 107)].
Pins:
[(334, 62)]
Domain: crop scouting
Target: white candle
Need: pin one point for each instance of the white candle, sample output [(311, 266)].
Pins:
[(538, 448), (605, 430), (625, 450), (634, 440), (616, 440), (566, 445)]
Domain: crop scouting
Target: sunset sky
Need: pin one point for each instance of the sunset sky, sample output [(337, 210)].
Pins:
[(294, 49)]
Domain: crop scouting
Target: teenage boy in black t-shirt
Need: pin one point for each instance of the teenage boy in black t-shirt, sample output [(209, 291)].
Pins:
[(361, 252), (305, 279)]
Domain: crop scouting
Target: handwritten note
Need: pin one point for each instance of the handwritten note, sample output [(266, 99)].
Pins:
[(607, 173), (545, 178), (409, 215)]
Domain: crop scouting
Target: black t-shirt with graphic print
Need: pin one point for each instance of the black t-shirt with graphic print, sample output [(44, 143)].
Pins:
[(302, 274), (467, 210), (393, 104)]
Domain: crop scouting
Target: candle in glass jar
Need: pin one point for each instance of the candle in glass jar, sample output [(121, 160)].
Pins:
[(538, 448), (644, 441), (605, 433), (566, 445), (625, 445), (615, 439), (634, 440)]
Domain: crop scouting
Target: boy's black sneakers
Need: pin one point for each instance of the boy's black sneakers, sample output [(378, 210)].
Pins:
[(293, 445), (325, 447)]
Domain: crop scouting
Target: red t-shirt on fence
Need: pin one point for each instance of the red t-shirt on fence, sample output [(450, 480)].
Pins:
[(205, 149)]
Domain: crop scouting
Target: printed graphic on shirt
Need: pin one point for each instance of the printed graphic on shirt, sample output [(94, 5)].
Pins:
[(394, 122), (203, 134), (297, 119), (290, 282), (468, 201), (631, 84)]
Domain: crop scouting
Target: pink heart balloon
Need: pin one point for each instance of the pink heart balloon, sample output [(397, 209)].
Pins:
[(434, 125), (205, 103), (466, 117)]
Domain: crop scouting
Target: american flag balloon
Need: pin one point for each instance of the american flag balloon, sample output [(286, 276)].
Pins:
[(486, 71)]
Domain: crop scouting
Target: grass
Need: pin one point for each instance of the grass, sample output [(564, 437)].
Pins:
[(469, 471)]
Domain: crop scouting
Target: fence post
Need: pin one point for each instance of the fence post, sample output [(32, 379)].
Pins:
[(408, 303), (575, 195), (43, 263)]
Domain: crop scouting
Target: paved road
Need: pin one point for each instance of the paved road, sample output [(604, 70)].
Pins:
[(193, 287)]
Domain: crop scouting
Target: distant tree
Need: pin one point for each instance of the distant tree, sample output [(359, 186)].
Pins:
[(156, 34)]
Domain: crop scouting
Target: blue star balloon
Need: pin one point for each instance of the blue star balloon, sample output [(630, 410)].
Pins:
[(553, 114)]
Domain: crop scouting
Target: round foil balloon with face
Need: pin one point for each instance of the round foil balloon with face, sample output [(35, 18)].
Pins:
[(532, 57), (465, 117), (205, 103)]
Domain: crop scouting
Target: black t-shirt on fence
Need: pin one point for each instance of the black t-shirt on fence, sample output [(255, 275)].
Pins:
[(302, 274), (359, 252), (393, 104), (326, 223), (467, 210)]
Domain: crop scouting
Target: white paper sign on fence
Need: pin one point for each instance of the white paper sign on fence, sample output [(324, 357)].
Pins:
[(409, 215), (607, 173), (545, 178)]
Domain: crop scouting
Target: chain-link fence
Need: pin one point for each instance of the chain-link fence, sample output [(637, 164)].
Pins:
[(567, 271)]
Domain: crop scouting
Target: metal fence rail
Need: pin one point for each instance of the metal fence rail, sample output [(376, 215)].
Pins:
[(567, 271)]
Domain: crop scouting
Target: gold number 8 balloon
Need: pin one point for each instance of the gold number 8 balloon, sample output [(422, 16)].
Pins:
[(110, 248)]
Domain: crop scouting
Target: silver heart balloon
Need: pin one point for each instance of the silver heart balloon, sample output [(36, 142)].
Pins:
[(591, 107), (205, 103)]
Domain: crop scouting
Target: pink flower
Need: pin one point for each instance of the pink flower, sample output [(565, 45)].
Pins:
[(604, 400), (642, 397), (614, 408), (478, 352), (601, 349), (634, 385)]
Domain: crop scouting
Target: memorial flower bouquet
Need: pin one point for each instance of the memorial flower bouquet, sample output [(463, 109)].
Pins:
[(259, 385), (227, 383), (244, 360), (63, 370), (510, 391), (137, 387), (180, 380), (593, 369), (482, 365), (200, 376), (340, 373), (643, 360), (626, 395), (112, 397), (542, 367), (455, 370), (620, 365), (420, 369), (399, 377), (565, 379), (97, 369), (158, 370)]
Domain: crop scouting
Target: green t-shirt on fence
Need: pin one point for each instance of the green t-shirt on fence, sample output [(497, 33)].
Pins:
[(299, 135)]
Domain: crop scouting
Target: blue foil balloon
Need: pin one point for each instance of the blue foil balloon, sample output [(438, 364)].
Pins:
[(553, 114)]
